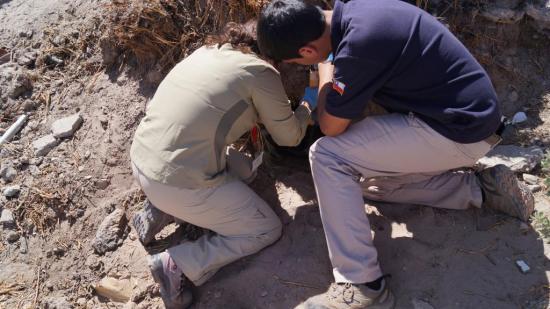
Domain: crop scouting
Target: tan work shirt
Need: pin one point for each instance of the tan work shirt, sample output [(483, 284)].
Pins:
[(206, 102)]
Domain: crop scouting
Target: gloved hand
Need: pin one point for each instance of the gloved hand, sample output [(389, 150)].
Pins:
[(310, 96)]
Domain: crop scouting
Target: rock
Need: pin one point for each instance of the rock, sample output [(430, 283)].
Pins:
[(56, 303), (66, 127), (535, 188), (23, 246), (263, 294), (540, 15), (530, 179), (11, 191), (102, 184), (12, 236), (503, 15), (518, 159), (130, 305), (145, 291), (28, 59), (114, 289), (43, 145), (7, 219), (14, 80), (110, 231), (421, 304), (7, 172)]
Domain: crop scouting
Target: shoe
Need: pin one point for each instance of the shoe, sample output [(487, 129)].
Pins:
[(503, 192), (352, 296), (149, 221), (175, 288)]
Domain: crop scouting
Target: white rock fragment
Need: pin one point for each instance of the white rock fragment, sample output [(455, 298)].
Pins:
[(114, 289), (44, 144), (530, 179), (11, 191), (65, 127), (535, 188), (518, 159), (7, 219), (523, 267)]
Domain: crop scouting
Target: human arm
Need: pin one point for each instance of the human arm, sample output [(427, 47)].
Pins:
[(330, 125), (286, 127)]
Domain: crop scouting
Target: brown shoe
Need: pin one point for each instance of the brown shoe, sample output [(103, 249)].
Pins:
[(175, 288), (503, 192), (352, 296)]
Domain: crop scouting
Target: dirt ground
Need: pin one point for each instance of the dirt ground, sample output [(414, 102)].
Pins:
[(448, 259)]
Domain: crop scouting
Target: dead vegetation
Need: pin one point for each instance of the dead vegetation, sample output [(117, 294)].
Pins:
[(162, 32)]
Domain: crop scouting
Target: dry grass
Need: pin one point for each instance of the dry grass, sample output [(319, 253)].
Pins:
[(162, 32)]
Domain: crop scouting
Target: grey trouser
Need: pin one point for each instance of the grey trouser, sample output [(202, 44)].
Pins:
[(242, 221), (392, 158)]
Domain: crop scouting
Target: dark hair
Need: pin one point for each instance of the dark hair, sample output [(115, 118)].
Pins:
[(285, 26), (240, 36)]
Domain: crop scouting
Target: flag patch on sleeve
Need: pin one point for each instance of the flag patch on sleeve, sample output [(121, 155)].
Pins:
[(338, 86)]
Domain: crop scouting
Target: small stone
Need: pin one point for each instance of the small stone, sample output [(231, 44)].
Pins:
[(114, 289), (519, 117), (522, 266), (43, 145), (217, 294), (102, 184), (513, 97), (518, 159), (81, 301), (11, 191), (7, 219), (530, 179), (27, 59), (263, 294), (66, 127), (535, 188), (110, 231), (34, 170), (12, 236), (7, 172), (87, 154), (23, 246), (81, 168)]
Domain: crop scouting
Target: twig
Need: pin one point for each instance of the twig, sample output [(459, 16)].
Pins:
[(304, 285), (37, 289)]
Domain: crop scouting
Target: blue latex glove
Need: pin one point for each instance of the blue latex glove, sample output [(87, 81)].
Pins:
[(329, 59), (310, 96)]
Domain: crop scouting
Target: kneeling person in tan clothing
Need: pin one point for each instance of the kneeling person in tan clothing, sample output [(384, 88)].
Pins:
[(204, 104)]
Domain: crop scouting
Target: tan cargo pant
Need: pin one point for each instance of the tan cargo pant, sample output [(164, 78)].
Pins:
[(392, 158), (242, 221)]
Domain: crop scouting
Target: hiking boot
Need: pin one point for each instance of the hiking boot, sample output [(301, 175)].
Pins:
[(175, 288), (149, 221), (352, 296), (503, 192)]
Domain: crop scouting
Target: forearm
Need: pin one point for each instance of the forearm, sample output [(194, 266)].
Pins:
[(326, 71)]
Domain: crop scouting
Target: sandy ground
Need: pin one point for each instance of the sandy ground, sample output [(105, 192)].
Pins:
[(449, 259)]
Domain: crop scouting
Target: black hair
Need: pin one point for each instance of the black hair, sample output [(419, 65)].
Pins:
[(284, 26)]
